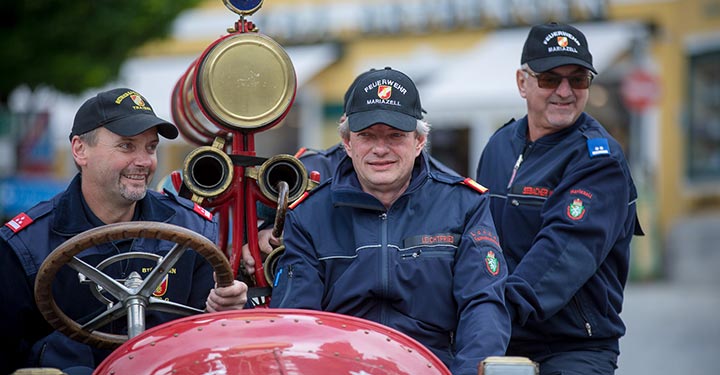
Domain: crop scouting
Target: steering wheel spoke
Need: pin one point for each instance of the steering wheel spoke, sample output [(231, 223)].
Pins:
[(113, 313), (157, 304), (161, 270), (107, 283)]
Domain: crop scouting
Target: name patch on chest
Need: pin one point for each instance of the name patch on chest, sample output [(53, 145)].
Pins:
[(432, 239)]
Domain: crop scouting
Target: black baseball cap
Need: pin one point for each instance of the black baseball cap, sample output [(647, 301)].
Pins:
[(384, 96), (122, 111), (346, 99), (553, 44)]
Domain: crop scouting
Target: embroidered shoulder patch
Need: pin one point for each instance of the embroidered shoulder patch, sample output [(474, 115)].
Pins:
[(200, 210), (598, 147), (492, 263), (19, 222), (576, 210)]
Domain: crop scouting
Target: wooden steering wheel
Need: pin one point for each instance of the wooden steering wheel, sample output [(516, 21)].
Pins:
[(133, 300)]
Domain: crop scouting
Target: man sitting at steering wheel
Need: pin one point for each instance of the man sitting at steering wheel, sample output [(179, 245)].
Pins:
[(114, 140)]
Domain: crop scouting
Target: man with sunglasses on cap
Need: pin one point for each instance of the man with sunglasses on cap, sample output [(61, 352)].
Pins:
[(114, 140), (563, 202), (392, 240)]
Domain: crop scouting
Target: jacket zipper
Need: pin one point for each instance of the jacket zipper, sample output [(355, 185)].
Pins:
[(519, 161), (384, 263), (289, 284), (588, 326)]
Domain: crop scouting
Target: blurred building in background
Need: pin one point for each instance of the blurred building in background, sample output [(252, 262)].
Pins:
[(657, 92)]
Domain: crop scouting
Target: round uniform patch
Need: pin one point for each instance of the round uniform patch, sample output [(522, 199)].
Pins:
[(491, 263), (576, 210)]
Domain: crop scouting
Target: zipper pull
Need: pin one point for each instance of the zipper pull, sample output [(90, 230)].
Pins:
[(515, 169)]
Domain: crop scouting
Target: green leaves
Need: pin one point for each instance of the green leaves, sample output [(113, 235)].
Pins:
[(73, 46)]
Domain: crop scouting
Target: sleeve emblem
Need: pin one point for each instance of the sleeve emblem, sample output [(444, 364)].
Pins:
[(492, 263), (576, 210)]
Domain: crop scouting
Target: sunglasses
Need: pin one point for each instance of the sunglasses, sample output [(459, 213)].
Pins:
[(548, 80)]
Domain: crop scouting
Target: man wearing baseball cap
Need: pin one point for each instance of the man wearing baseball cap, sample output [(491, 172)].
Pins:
[(564, 208), (114, 142), (390, 239)]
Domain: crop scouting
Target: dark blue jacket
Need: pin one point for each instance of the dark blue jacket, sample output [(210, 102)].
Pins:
[(430, 266), (27, 339), (565, 218)]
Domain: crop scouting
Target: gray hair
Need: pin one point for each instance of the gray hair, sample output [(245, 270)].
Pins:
[(422, 128)]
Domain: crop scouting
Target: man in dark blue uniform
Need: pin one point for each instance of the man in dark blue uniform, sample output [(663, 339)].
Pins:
[(389, 239), (324, 163), (563, 202), (114, 141)]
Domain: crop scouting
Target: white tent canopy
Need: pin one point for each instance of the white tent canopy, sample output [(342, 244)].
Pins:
[(481, 82)]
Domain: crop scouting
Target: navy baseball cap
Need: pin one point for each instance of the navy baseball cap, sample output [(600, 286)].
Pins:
[(122, 111), (384, 96), (553, 44)]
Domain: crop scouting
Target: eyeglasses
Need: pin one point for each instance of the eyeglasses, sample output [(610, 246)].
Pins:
[(549, 80)]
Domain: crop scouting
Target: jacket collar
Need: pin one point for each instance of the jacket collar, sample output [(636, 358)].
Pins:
[(71, 219), (521, 131)]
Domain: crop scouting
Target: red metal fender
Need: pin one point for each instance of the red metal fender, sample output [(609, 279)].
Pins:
[(269, 342)]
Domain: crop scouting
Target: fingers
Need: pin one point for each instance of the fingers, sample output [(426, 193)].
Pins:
[(231, 297), (248, 260), (266, 241)]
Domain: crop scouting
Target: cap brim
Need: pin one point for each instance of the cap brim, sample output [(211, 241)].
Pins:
[(549, 63), (400, 121), (133, 125)]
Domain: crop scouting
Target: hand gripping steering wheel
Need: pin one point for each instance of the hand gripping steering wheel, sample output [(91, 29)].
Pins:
[(132, 299)]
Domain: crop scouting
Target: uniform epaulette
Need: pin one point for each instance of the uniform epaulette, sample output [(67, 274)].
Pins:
[(304, 151), (194, 207), (306, 194), (469, 182), (19, 222), (597, 144), (24, 219)]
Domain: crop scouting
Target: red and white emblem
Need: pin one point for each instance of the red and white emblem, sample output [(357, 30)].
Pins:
[(137, 99), (562, 41), (384, 92), (200, 210), (19, 222)]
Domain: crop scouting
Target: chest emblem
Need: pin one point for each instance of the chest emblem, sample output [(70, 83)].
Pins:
[(162, 288), (576, 210)]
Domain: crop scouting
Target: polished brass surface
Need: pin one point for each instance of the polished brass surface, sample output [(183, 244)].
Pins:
[(246, 82), (208, 171), (282, 167)]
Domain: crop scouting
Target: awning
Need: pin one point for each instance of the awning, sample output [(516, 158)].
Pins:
[(481, 82)]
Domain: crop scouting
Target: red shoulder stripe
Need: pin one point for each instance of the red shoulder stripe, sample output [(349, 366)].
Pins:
[(474, 185)]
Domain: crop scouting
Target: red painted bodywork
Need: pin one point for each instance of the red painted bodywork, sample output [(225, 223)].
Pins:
[(269, 342)]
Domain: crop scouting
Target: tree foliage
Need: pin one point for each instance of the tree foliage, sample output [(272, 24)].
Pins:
[(76, 45)]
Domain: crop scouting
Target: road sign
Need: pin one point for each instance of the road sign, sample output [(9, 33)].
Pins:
[(640, 90)]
